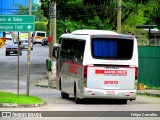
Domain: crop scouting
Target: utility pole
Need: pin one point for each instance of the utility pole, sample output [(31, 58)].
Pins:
[(29, 52), (118, 16), (53, 34), (18, 64)]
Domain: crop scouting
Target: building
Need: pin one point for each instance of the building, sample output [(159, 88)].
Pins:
[(7, 7)]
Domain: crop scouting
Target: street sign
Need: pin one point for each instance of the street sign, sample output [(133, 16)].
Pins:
[(17, 27), (1, 42), (24, 23)]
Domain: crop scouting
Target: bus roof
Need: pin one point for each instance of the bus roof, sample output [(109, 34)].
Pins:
[(93, 32), (41, 31), (83, 34)]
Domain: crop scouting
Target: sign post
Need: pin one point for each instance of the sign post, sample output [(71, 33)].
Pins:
[(23, 23)]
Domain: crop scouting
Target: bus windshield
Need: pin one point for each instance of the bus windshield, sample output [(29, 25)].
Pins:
[(112, 48), (41, 34)]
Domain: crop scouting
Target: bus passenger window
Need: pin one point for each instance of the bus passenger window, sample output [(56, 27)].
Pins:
[(72, 50)]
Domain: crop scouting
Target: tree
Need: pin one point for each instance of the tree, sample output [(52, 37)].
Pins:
[(36, 10), (102, 14), (152, 12), (45, 5), (101, 7), (141, 1), (22, 10)]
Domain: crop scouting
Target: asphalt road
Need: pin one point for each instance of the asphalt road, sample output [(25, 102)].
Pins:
[(8, 82), (9, 67)]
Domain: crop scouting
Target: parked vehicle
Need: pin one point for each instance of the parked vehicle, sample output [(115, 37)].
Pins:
[(96, 64), (44, 41), (38, 36), (9, 36), (24, 44), (13, 49)]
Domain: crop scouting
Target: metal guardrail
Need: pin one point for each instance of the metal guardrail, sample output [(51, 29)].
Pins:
[(150, 42)]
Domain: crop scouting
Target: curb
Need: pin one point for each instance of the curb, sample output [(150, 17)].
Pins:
[(148, 94), (14, 105)]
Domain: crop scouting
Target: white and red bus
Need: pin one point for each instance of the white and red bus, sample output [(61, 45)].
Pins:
[(38, 36), (97, 64)]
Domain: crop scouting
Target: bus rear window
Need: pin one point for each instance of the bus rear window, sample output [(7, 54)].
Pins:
[(112, 48)]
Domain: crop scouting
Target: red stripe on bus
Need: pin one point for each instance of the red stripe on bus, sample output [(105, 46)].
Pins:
[(71, 65), (124, 72)]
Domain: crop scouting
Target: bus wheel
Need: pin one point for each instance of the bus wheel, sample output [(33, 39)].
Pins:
[(64, 95), (77, 100), (60, 84)]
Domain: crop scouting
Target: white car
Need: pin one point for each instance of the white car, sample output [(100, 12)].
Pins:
[(24, 44), (9, 36)]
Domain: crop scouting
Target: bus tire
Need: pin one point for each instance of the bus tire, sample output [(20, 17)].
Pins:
[(60, 84), (64, 95), (77, 100)]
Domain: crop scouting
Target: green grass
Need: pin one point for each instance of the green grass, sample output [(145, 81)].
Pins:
[(153, 88), (6, 97)]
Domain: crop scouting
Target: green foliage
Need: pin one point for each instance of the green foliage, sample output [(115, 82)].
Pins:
[(74, 10), (95, 23), (102, 14), (41, 26), (67, 24), (46, 3), (134, 19), (152, 11), (22, 10), (36, 11), (45, 7), (97, 2)]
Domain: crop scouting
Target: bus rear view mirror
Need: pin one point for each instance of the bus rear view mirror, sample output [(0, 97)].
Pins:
[(56, 50)]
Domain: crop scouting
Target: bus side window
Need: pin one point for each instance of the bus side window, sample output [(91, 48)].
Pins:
[(81, 51), (72, 50), (63, 48)]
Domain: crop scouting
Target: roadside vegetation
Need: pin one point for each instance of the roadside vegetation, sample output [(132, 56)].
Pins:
[(6, 97), (149, 94), (97, 14), (153, 88), (142, 86)]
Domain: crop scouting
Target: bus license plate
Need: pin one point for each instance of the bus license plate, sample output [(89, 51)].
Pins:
[(110, 92)]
